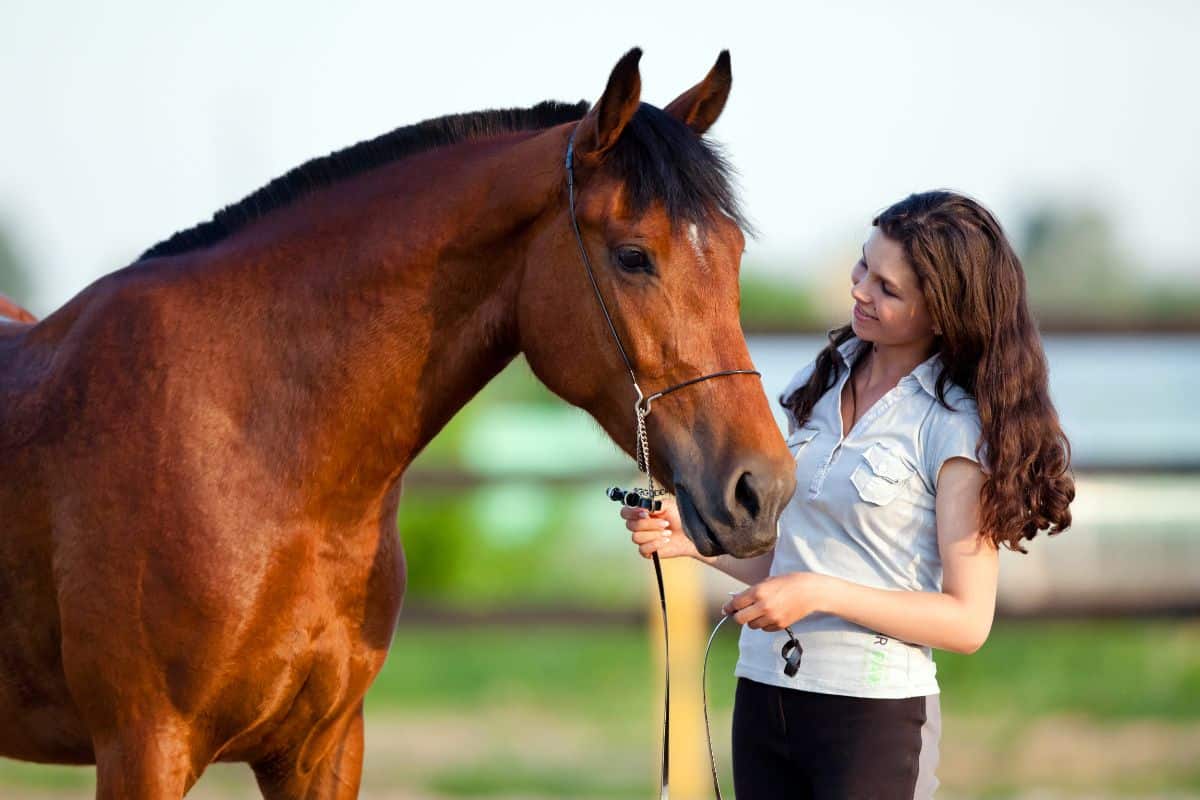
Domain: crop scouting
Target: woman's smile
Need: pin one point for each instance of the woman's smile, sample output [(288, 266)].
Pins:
[(860, 314)]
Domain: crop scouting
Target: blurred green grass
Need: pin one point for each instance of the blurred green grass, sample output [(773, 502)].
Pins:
[(556, 711), (1105, 670), (1031, 679)]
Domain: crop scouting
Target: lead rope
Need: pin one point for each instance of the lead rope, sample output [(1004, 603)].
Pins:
[(712, 759), (642, 449), (791, 657)]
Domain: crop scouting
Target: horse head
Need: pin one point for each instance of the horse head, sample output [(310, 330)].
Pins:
[(660, 225)]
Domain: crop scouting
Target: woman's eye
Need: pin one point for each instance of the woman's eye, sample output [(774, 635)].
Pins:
[(888, 291), (632, 259)]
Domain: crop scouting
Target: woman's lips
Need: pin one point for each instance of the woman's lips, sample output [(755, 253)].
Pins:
[(858, 312)]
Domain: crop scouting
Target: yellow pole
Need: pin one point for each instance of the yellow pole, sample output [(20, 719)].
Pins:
[(683, 581)]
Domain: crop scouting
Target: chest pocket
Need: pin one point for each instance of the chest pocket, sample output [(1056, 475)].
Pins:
[(881, 475), (798, 438)]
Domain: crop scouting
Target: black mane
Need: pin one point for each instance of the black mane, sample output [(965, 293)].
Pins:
[(657, 157)]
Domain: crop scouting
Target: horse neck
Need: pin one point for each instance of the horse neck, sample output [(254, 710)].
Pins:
[(398, 330)]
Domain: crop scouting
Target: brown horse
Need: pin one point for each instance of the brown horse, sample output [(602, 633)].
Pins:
[(201, 454)]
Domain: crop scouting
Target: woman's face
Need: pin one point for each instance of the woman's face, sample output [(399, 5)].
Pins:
[(889, 306)]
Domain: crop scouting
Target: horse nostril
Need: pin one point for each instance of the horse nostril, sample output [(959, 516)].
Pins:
[(746, 495)]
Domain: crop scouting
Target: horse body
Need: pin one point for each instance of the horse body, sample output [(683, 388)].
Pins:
[(201, 455), (260, 520)]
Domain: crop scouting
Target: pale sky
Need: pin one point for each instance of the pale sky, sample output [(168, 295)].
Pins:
[(126, 121)]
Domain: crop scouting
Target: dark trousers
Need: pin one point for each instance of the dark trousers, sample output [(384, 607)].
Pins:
[(794, 744)]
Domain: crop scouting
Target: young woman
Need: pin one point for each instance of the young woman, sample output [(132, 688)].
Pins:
[(924, 440)]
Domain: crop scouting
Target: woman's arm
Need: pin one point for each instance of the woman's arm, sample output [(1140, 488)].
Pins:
[(958, 618), (747, 570)]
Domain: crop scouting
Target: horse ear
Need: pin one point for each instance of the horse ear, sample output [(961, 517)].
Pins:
[(699, 106), (600, 129)]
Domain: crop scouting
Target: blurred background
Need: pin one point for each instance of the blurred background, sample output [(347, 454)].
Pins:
[(526, 664)]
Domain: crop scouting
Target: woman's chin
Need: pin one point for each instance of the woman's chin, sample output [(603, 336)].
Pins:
[(858, 330)]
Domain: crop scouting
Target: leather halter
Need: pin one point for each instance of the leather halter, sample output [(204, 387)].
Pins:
[(641, 410)]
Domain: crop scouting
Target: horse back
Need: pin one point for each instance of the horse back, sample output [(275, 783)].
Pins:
[(43, 365)]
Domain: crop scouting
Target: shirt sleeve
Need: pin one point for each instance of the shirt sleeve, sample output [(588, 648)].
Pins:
[(799, 379), (953, 434)]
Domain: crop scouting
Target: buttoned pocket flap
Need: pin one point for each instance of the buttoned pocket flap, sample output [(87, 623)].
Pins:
[(879, 479), (886, 464)]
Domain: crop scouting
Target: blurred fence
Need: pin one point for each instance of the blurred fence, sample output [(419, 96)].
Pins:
[(1133, 548), (504, 510)]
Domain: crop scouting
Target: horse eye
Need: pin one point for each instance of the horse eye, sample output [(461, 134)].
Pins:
[(632, 259)]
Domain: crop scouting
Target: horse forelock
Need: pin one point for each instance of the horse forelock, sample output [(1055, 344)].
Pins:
[(661, 160)]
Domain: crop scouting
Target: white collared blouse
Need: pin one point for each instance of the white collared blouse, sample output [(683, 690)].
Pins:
[(864, 511)]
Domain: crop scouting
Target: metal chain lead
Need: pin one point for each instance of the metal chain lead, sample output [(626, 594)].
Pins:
[(643, 446), (643, 457)]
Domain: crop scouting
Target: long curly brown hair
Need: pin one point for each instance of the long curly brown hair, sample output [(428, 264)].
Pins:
[(975, 291)]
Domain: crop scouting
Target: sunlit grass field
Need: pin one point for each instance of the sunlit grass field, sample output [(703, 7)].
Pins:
[(1046, 709)]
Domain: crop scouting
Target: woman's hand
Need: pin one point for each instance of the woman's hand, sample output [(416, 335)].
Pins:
[(778, 601), (659, 531)]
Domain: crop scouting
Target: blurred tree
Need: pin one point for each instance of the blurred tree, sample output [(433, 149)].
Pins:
[(1073, 265), (776, 304), (14, 278)]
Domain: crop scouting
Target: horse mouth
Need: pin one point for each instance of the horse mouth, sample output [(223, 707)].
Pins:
[(702, 536)]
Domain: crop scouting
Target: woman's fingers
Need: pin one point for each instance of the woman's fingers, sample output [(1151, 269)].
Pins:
[(641, 537), (649, 524), (653, 529), (645, 537), (750, 615), (636, 513), (651, 541), (653, 532)]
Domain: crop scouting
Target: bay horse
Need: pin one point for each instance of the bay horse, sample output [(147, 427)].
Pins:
[(201, 453)]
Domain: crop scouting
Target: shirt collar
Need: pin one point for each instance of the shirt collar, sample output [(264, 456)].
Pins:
[(924, 373)]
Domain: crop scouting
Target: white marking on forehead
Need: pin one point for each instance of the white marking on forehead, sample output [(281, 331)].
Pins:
[(693, 234)]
